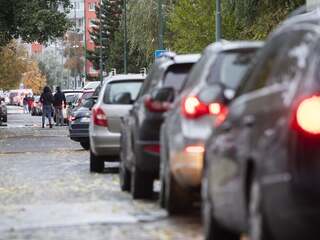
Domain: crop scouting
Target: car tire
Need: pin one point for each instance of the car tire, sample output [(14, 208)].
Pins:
[(162, 194), (125, 178), (258, 227), (212, 229), (85, 145), (141, 185), (96, 163), (177, 199), (5, 119)]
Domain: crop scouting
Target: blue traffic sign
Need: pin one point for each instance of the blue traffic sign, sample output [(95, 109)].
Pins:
[(159, 53)]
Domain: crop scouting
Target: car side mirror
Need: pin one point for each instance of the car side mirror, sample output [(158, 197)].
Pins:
[(165, 94), (123, 98)]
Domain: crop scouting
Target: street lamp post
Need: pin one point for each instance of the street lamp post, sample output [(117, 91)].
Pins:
[(125, 47), (218, 20), (100, 42), (161, 24)]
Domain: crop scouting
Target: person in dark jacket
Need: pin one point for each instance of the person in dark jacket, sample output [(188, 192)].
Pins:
[(58, 103), (46, 99)]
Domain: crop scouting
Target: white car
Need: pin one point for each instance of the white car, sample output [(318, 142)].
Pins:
[(115, 100)]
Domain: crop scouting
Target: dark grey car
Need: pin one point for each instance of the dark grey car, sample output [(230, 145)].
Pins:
[(208, 90), (262, 171)]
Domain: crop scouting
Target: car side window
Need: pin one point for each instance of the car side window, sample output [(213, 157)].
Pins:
[(294, 58)]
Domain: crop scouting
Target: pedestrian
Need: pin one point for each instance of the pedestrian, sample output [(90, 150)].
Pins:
[(25, 104), (30, 102), (58, 103), (46, 99)]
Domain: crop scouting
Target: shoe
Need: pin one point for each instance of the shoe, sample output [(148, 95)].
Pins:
[(50, 125)]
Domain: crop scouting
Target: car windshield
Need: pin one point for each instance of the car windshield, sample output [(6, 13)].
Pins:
[(230, 68), (71, 97), (176, 76), (92, 85), (115, 88)]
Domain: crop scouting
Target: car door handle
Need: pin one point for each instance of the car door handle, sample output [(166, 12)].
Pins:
[(249, 121)]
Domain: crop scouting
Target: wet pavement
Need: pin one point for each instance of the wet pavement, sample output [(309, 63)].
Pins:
[(47, 192)]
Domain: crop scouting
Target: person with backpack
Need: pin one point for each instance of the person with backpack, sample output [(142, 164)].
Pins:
[(46, 99), (58, 103)]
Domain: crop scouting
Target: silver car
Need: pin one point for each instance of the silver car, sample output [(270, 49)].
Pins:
[(115, 100)]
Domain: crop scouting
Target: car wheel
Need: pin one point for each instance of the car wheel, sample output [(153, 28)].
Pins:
[(258, 227), (162, 195), (96, 163), (5, 119), (125, 178), (141, 185), (177, 199), (85, 145), (212, 229)]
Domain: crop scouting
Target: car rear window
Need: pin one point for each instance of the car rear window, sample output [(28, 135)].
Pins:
[(113, 89), (231, 67), (176, 76), (87, 95), (70, 97)]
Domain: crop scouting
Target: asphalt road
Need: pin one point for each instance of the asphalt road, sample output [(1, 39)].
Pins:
[(47, 192)]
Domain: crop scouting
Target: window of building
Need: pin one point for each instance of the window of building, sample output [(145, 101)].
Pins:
[(92, 6)]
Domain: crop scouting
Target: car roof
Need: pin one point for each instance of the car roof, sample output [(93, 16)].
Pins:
[(130, 76), (233, 45)]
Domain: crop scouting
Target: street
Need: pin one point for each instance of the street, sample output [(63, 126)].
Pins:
[(47, 192)]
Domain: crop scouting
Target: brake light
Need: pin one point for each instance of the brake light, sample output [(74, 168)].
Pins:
[(72, 118), (193, 108), (99, 117), (156, 106), (155, 148), (308, 115)]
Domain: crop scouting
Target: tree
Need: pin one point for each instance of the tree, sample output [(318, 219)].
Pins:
[(13, 61), (33, 20), (110, 11), (33, 79), (74, 52)]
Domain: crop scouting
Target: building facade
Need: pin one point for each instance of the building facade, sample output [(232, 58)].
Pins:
[(90, 16)]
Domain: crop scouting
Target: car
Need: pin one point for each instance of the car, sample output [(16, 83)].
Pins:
[(91, 85), (140, 157), (79, 123), (189, 123), (261, 174), (3, 111), (72, 97), (36, 108), (115, 100)]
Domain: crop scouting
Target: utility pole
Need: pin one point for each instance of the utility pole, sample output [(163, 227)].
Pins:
[(218, 20), (161, 24), (125, 47), (100, 42)]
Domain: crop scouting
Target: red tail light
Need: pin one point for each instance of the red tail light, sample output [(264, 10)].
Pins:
[(195, 149), (308, 115), (155, 148), (193, 108), (156, 106), (99, 117)]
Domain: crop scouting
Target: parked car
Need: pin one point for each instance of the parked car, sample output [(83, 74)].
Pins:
[(115, 100), (3, 111), (36, 109), (207, 91), (72, 97), (79, 123), (140, 160), (262, 163)]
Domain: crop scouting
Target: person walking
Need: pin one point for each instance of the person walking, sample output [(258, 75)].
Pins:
[(46, 99), (25, 104), (58, 103)]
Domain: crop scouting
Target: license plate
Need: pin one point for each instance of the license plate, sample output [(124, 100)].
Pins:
[(85, 120)]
